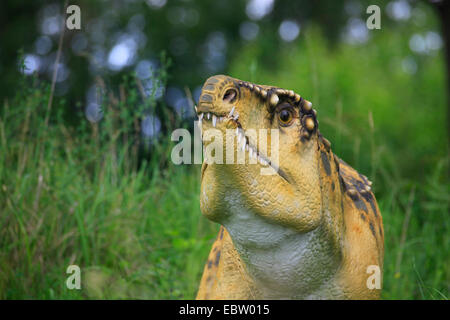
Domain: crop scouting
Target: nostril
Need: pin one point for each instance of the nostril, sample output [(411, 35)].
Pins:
[(230, 95)]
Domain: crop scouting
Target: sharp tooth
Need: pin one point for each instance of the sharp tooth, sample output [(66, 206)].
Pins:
[(250, 152), (214, 120), (246, 147), (195, 108), (236, 117), (243, 146), (201, 116), (237, 131), (231, 112), (208, 115)]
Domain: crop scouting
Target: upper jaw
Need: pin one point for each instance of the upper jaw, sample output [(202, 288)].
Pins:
[(206, 114), (231, 121), (211, 117)]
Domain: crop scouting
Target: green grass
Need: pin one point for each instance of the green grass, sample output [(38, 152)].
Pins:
[(68, 198), (75, 194)]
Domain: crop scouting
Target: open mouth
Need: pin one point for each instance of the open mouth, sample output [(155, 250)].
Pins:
[(243, 141)]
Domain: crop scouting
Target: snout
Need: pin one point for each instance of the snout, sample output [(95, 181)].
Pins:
[(219, 94)]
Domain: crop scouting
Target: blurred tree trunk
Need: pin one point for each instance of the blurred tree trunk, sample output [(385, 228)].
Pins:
[(443, 8)]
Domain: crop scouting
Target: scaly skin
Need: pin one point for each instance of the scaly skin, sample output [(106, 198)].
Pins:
[(308, 232)]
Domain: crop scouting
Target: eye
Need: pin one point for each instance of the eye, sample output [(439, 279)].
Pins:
[(285, 116), (230, 95)]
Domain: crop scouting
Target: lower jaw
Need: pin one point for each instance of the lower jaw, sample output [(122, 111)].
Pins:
[(246, 169)]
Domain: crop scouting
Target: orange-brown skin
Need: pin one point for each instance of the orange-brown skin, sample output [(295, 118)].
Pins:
[(316, 197), (224, 262)]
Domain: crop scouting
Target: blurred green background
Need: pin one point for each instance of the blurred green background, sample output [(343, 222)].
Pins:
[(85, 170)]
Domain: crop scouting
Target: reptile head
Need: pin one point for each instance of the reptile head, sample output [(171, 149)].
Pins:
[(237, 111)]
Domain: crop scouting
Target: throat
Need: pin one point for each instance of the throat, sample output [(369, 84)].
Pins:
[(283, 263)]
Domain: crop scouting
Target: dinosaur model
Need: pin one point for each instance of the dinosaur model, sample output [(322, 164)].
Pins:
[(311, 230)]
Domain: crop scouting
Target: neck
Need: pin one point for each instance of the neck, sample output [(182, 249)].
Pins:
[(283, 262)]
